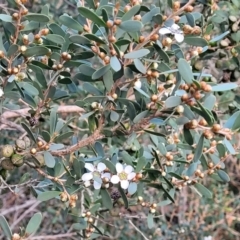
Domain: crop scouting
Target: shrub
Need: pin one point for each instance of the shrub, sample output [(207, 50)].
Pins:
[(109, 104)]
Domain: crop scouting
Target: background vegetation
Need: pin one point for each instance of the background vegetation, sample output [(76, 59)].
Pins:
[(121, 92)]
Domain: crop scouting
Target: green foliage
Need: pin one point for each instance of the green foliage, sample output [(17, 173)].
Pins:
[(112, 101)]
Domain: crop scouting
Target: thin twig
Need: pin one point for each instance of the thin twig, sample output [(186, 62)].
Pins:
[(138, 230)]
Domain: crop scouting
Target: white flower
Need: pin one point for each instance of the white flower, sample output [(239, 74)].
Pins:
[(1, 92), (174, 30), (95, 173), (138, 84), (208, 238), (124, 175)]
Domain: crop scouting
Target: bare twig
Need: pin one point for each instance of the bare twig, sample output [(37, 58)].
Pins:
[(138, 230)]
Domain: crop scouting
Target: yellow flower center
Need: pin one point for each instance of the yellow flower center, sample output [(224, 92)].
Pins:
[(122, 176), (96, 174)]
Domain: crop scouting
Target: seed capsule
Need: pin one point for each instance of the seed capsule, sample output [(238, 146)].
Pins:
[(7, 151)]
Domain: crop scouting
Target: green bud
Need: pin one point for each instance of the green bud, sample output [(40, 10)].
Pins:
[(7, 164), (20, 144), (17, 160), (7, 151), (27, 141)]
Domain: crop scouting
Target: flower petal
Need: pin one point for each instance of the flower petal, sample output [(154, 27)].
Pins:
[(179, 37), (128, 169), (106, 175), (124, 184), (164, 31), (87, 176), (87, 184), (101, 167), (97, 185), (175, 27), (131, 175), (89, 167), (119, 167), (115, 179)]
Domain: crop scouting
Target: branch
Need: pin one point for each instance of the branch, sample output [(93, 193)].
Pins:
[(82, 143), (24, 112), (138, 230), (12, 125)]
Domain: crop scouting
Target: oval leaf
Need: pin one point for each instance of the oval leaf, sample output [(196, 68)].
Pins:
[(34, 223), (37, 17), (5, 227), (131, 26), (49, 159), (70, 23), (185, 70), (137, 54), (45, 196), (87, 13)]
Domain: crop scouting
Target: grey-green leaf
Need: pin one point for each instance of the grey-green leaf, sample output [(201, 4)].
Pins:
[(45, 196), (202, 190), (137, 54), (70, 23), (106, 199), (87, 13), (34, 223), (185, 70), (115, 64), (49, 160), (5, 227), (100, 72), (131, 26), (37, 17)]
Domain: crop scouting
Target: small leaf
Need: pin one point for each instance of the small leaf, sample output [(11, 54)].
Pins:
[(108, 80), (5, 227), (124, 197), (139, 65), (49, 159), (128, 15), (219, 37), (45, 196), (202, 190), (224, 87), (223, 175), (141, 163), (34, 223), (140, 116), (106, 199), (150, 220), (185, 70), (229, 146), (53, 120), (36, 51), (114, 116), (199, 149), (87, 13), (100, 72), (79, 39), (29, 132), (196, 41), (99, 149), (173, 101), (55, 38), (132, 188), (37, 17), (5, 18), (131, 26), (70, 23), (115, 64), (94, 38), (234, 119), (137, 54)]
